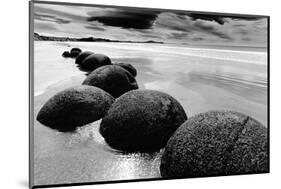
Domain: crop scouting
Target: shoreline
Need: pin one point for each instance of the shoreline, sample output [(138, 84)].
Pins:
[(199, 84)]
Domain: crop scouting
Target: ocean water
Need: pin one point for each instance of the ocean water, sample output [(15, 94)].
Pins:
[(200, 78)]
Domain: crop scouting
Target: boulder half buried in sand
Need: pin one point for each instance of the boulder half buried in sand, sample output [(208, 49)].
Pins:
[(95, 61), (75, 49), (216, 143), (74, 54), (142, 121), (82, 56), (74, 107), (113, 79), (129, 68), (66, 54)]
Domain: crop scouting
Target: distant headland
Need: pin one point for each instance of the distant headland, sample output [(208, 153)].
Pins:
[(38, 37)]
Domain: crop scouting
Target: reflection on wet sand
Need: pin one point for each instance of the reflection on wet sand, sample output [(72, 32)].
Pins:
[(83, 156)]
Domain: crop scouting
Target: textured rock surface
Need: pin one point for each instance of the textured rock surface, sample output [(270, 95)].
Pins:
[(113, 79), (95, 61), (82, 57), (75, 107), (216, 143), (129, 68), (142, 120)]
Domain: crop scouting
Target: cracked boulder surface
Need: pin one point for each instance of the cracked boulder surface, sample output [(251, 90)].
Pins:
[(142, 121), (216, 143)]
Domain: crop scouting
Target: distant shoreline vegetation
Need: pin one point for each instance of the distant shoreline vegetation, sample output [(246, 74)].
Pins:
[(38, 37)]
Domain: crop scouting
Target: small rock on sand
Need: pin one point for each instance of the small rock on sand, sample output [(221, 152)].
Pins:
[(66, 54)]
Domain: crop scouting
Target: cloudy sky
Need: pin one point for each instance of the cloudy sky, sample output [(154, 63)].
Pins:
[(144, 24)]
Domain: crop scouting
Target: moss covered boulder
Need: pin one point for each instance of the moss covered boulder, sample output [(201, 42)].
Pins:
[(142, 121), (82, 56), (74, 107), (216, 143), (113, 79), (95, 61), (130, 68)]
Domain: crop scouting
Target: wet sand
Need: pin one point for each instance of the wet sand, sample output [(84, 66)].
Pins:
[(217, 80)]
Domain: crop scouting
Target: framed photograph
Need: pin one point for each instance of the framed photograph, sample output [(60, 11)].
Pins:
[(120, 94)]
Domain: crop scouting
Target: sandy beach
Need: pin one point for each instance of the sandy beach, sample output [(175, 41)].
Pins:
[(200, 78)]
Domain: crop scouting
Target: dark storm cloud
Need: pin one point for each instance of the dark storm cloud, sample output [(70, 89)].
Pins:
[(185, 25), (46, 17), (144, 24), (95, 28), (248, 18), (136, 19)]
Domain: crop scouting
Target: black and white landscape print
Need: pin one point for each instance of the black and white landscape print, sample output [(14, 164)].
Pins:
[(130, 93)]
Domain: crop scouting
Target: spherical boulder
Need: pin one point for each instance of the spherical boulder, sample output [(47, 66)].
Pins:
[(74, 54), (142, 121), (216, 143), (74, 107), (75, 49), (66, 54), (129, 68), (95, 61), (82, 56), (113, 79)]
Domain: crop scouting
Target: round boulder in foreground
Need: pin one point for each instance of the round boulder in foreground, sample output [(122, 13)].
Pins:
[(95, 61), (216, 143), (74, 107), (113, 79), (142, 121), (129, 68), (82, 56)]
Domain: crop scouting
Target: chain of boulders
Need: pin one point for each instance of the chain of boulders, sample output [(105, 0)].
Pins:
[(134, 120)]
